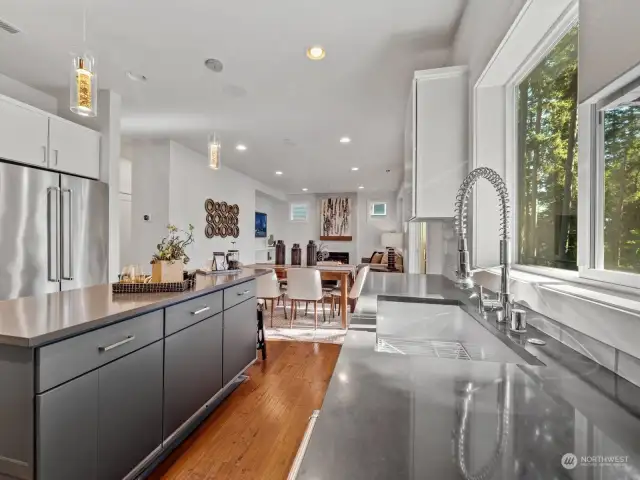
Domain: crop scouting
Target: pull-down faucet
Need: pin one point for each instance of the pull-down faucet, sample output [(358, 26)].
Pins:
[(504, 303)]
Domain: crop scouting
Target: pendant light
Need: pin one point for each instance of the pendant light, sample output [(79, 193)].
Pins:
[(84, 81), (214, 151)]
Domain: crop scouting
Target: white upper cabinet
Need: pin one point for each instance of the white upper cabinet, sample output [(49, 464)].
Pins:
[(23, 133), (73, 148), (438, 126)]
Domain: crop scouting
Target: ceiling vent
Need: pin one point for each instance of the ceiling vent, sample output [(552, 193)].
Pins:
[(7, 27)]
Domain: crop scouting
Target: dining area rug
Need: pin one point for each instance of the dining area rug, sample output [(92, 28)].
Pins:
[(329, 331)]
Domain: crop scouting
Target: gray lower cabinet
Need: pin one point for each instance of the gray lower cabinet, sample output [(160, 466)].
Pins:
[(192, 371), (67, 430), (239, 338), (102, 424), (130, 411)]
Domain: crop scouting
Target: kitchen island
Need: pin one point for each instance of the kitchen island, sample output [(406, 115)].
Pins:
[(414, 416), (100, 386)]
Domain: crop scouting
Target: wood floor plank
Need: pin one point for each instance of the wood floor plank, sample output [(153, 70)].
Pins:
[(256, 432)]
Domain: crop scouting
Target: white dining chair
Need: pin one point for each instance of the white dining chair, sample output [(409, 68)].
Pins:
[(268, 288), (354, 293), (304, 284)]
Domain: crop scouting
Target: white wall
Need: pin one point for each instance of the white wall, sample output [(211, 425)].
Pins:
[(171, 184), (609, 43), (370, 228), (302, 232), (24, 93), (125, 211), (276, 211), (150, 196)]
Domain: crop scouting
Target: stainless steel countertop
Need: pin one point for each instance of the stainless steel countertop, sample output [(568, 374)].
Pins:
[(397, 417), (33, 321)]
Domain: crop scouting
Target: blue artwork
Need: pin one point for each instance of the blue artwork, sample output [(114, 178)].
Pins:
[(261, 225)]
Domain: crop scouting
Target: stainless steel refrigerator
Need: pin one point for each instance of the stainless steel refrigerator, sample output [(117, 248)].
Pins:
[(54, 231)]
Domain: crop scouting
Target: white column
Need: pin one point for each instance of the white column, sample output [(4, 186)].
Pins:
[(109, 114)]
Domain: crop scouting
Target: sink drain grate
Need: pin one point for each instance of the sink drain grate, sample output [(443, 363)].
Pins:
[(433, 348)]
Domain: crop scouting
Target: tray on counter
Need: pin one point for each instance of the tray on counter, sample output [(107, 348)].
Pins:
[(152, 287), (217, 272)]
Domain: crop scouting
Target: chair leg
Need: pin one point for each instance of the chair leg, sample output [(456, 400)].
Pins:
[(285, 306), (292, 315), (306, 307), (324, 315), (272, 302), (315, 314), (339, 306), (333, 304)]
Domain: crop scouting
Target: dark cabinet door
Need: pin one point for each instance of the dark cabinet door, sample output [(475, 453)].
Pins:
[(67, 429), (239, 338), (192, 371), (130, 411)]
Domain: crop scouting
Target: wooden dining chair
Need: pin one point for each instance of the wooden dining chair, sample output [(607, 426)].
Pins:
[(304, 284), (268, 288)]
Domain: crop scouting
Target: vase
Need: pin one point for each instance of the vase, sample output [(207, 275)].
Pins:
[(281, 252), (167, 272), (296, 254), (312, 251)]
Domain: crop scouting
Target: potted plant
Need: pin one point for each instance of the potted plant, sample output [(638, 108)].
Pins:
[(169, 260)]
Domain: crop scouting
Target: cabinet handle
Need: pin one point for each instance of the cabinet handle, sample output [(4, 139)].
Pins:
[(44, 149), (200, 310), (117, 344), (243, 293), (55, 156)]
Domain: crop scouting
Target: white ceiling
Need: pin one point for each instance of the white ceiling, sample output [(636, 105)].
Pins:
[(288, 110)]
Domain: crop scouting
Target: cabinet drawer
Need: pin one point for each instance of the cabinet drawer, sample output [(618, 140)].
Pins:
[(192, 311), (62, 361), (239, 293)]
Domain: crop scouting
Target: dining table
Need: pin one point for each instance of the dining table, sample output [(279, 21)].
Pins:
[(343, 273)]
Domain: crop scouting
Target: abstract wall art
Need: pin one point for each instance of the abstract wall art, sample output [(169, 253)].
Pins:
[(335, 219)]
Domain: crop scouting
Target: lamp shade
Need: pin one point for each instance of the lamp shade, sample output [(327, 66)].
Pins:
[(392, 239)]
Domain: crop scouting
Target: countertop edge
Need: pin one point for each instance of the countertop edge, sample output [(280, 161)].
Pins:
[(72, 331)]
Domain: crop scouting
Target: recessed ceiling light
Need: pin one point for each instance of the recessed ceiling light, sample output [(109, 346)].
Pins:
[(136, 77), (316, 52), (354, 169), (361, 187), (305, 189), (345, 140), (241, 147), (278, 172)]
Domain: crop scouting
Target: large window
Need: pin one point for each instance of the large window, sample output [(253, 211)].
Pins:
[(548, 159), (621, 186)]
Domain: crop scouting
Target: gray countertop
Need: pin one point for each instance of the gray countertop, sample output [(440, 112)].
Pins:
[(390, 416), (33, 321)]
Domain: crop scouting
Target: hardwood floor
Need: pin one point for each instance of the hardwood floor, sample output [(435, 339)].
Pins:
[(256, 432)]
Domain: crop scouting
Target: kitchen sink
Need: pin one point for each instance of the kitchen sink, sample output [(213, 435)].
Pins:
[(441, 329)]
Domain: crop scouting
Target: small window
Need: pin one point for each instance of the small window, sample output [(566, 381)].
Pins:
[(299, 212), (547, 161), (378, 209)]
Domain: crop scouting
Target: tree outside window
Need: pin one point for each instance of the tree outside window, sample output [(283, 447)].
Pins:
[(548, 159)]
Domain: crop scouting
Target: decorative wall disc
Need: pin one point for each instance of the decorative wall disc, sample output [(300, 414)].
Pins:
[(210, 219), (224, 231), (217, 218), (233, 220), (216, 206), (224, 208), (236, 231), (216, 231), (209, 205), (209, 231), (235, 209)]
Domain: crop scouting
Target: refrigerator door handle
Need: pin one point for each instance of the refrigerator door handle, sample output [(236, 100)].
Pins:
[(68, 236), (54, 276)]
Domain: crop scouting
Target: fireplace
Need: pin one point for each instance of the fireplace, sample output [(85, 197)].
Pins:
[(342, 257)]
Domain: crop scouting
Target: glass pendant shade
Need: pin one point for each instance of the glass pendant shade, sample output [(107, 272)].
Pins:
[(214, 152), (84, 86)]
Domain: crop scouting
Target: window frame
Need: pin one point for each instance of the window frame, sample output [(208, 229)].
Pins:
[(372, 205), (559, 29), (293, 205), (591, 174)]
